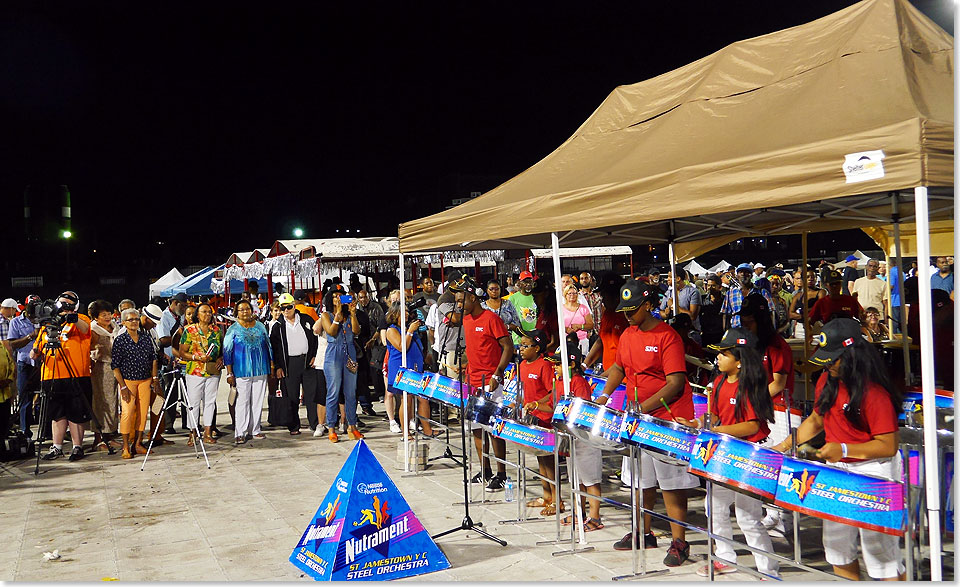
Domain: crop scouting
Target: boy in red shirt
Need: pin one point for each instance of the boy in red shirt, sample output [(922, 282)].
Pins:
[(835, 304), (650, 361), (856, 407), (489, 349)]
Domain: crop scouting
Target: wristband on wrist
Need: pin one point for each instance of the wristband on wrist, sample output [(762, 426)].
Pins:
[(843, 447), (124, 387)]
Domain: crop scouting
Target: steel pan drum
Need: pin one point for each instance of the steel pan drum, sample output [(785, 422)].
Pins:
[(596, 425), (529, 438), (668, 441), (483, 410), (617, 397), (444, 389), (740, 465)]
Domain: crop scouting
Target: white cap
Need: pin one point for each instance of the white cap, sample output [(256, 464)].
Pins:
[(9, 303), (760, 265), (153, 312)]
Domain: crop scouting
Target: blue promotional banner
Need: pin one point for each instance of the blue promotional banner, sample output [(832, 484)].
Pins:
[(409, 381), (913, 401), (531, 436), (364, 530), (831, 493), (444, 389), (510, 385), (657, 435), (617, 398), (588, 416), (737, 463), (699, 404)]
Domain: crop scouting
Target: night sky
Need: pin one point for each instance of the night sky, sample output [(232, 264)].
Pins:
[(166, 117)]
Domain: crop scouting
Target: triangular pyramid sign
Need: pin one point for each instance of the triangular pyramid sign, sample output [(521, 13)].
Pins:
[(364, 530)]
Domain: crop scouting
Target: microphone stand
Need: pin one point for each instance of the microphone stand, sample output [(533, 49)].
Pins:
[(467, 523)]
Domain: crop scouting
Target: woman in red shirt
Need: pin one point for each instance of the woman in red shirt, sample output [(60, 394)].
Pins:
[(589, 459), (538, 384), (739, 406), (856, 407)]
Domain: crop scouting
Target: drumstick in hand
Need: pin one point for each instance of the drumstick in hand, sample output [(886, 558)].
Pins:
[(668, 410)]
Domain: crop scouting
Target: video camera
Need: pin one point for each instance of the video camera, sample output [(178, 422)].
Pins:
[(52, 314), (415, 305)]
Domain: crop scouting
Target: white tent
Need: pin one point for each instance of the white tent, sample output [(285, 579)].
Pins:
[(695, 268), (720, 267), (170, 278)]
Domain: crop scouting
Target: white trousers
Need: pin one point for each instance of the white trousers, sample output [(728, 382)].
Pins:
[(749, 511), (201, 391), (250, 394)]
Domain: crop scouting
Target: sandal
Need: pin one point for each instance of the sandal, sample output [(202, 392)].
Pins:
[(566, 520), (190, 441), (238, 440), (536, 503), (294, 432), (551, 509), (592, 524)]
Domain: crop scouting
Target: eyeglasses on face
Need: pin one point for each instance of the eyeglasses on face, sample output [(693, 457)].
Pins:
[(285, 308), (132, 320)]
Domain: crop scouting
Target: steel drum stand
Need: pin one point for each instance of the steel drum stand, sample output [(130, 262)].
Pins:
[(639, 562), (577, 513), (468, 451), (467, 523)]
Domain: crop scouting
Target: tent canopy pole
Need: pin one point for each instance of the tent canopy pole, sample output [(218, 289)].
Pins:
[(564, 360), (403, 363), (931, 461)]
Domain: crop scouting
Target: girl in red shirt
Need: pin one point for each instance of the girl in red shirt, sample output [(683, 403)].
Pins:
[(739, 406), (856, 407), (538, 384), (589, 459)]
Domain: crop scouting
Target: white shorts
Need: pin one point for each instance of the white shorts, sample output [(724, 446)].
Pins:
[(589, 463), (654, 472), (881, 552)]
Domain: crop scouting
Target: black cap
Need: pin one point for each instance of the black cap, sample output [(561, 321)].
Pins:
[(834, 276), (754, 305), (73, 297), (610, 282), (299, 295), (635, 293), (464, 283), (573, 355), (735, 337), (180, 297), (836, 336), (539, 337)]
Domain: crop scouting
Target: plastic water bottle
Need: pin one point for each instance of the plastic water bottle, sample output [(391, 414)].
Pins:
[(508, 491)]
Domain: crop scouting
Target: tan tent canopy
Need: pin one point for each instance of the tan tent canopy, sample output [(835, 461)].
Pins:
[(765, 124), (941, 238)]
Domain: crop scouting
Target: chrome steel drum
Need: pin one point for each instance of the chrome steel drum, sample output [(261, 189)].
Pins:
[(596, 425), (483, 410), (669, 442)]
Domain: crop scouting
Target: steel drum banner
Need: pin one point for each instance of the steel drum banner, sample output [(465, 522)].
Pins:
[(510, 386), (645, 433), (444, 389), (617, 398), (364, 529), (842, 496), (584, 415), (913, 401), (737, 463), (534, 437), (409, 381)]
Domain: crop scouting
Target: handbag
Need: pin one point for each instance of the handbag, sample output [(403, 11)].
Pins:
[(210, 368), (352, 365)]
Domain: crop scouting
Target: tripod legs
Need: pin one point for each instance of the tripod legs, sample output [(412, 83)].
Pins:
[(178, 386)]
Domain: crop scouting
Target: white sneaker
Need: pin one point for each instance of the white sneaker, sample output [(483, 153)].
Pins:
[(320, 432), (395, 427), (770, 520)]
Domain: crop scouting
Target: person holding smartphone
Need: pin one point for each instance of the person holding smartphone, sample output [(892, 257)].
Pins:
[(340, 325)]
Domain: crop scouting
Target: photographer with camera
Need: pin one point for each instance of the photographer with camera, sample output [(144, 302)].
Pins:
[(63, 347)]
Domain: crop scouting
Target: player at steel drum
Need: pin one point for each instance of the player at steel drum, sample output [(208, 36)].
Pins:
[(538, 384), (650, 361), (740, 406), (589, 459), (856, 406)]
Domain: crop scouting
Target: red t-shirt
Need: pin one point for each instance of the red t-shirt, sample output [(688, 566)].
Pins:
[(879, 415), (579, 387), (612, 325), (548, 325), (647, 358), (827, 306), (724, 407), (480, 336), (778, 358), (537, 378)]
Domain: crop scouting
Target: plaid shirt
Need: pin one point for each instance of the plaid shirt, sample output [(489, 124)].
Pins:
[(595, 302), (733, 301), (4, 327)]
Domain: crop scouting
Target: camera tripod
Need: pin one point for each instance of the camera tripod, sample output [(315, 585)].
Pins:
[(178, 385), (54, 345)]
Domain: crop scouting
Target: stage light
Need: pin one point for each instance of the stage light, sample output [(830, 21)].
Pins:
[(298, 232)]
